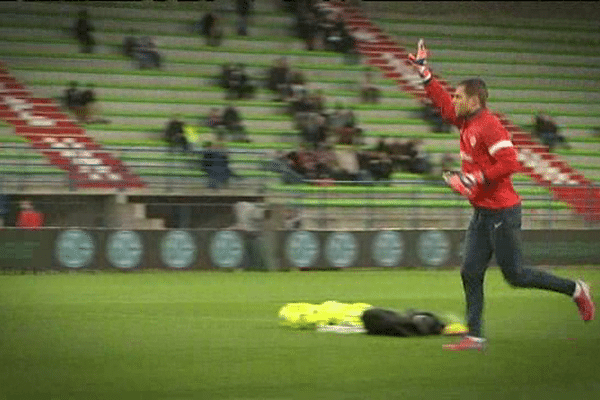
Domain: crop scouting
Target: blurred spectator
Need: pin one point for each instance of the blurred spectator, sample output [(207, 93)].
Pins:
[(214, 121), (315, 130), (243, 9), (83, 33), (279, 78), (334, 30), (546, 130), (225, 76), (347, 46), (419, 160), (289, 166), (88, 103), (369, 92), (4, 208), (146, 53), (174, 134), (239, 85), (28, 217), (210, 27), (130, 44), (233, 124), (73, 100), (308, 29), (215, 163), (432, 115)]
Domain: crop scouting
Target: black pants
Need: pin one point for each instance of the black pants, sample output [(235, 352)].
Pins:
[(499, 232)]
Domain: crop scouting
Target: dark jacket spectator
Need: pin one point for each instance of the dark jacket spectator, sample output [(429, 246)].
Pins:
[(83, 32), (130, 45), (210, 28), (233, 123), (243, 9), (146, 53), (215, 163), (72, 98), (546, 130), (174, 134)]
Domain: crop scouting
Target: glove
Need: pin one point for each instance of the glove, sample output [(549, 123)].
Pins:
[(464, 184), (419, 62)]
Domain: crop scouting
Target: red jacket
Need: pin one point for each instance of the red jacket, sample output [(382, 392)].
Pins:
[(484, 146), (30, 219)]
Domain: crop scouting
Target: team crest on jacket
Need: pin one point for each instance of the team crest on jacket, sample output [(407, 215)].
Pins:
[(473, 140)]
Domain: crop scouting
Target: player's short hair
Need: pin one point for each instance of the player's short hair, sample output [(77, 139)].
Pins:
[(476, 87)]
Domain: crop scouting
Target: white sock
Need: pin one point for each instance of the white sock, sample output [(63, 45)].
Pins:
[(577, 291), (476, 339)]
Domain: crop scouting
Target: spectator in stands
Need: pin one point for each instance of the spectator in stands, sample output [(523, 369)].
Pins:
[(376, 161), (88, 104), (546, 129), (225, 76), (211, 29), (146, 53), (239, 85), (315, 130), (28, 217), (288, 165), (83, 32), (130, 44), (347, 46), (215, 163), (233, 124), (369, 92), (419, 160), (174, 134), (214, 121), (334, 30), (4, 208), (243, 9), (279, 79), (432, 115), (72, 99), (308, 29)]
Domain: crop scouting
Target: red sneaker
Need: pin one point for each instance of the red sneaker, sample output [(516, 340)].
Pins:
[(467, 343), (583, 298)]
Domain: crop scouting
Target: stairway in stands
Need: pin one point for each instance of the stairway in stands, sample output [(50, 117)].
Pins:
[(545, 168), (60, 139)]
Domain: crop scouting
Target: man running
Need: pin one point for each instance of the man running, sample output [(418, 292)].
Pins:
[(488, 159)]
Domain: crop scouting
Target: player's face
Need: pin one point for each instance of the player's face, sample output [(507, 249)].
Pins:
[(463, 104)]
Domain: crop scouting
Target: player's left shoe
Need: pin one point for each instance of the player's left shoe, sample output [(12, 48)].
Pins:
[(467, 343), (585, 303)]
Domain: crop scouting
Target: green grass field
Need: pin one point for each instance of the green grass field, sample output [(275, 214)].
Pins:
[(215, 335)]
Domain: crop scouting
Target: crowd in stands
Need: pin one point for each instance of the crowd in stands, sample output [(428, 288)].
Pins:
[(329, 138), (328, 163), (322, 28)]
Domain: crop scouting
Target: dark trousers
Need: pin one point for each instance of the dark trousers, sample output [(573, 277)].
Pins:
[(499, 232)]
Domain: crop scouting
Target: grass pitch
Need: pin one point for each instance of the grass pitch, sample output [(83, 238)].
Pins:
[(213, 335)]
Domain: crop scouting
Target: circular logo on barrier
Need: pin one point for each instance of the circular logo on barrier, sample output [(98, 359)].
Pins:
[(341, 249), (178, 249), (387, 248), (74, 249), (227, 249), (124, 249), (302, 249), (433, 248)]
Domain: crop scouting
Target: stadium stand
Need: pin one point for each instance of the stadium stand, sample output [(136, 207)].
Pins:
[(530, 69)]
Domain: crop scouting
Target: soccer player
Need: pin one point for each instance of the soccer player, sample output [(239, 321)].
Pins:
[(488, 159)]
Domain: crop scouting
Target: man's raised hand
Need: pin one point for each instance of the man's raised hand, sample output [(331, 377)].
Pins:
[(419, 62)]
